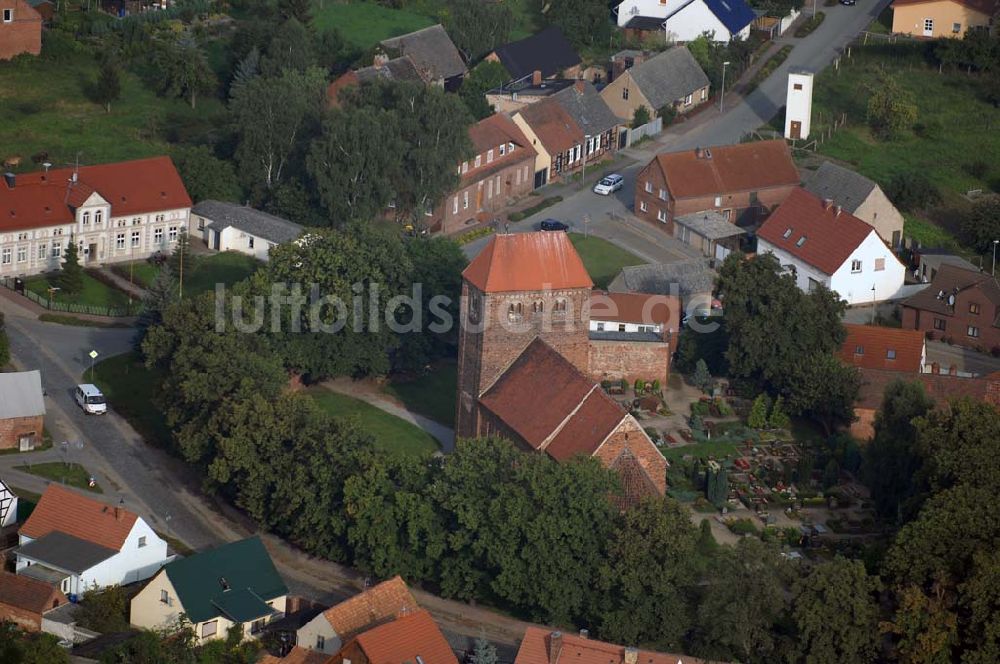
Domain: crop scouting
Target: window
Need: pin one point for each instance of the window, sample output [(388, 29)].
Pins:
[(625, 94), (465, 167), (22, 254), (465, 200), (172, 234), (56, 250), (704, 94), (454, 204), (649, 187), (158, 236), (797, 86), (661, 215), (136, 239), (503, 149), (687, 100), (642, 206), (479, 160), (209, 628), (890, 354), (23, 236), (973, 308), (600, 327), (142, 541), (165, 597), (879, 264), (120, 241), (250, 242), (560, 305), (43, 251), (939, 324), (121, 223), (718, 201), (973, 332), (859, 350), (86, 219), (136, 221), (621, 327), (663, 194), (320, 642), (98, 217), (514, 311), (787, 234), (537, 306), (956, 28), (5, 257), (160, 217), (489, 157), (801, 241), (64, 586), (8, 15), (56, 231), (489, 189), (855, 265)]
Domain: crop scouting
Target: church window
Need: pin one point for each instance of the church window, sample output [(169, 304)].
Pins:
[(514, 311), (560, 305), (538, 307)]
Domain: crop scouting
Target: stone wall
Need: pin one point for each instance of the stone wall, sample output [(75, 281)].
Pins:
[(631, 360), (12, 429)]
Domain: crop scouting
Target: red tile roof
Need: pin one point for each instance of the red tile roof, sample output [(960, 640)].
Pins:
[(299, 655), (554, 127), (587, 428), (386, 600), (874, 344), (66, 511), (491, 132), (987, 7), (939, 387), (41, 199), (578, 650), (28, 594), (527, 262), (830, 237), (404, 639), (537, 393), (952, 279), (731, 168), (636, 308)]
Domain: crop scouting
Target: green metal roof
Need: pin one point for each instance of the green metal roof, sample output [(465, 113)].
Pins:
[(234, 580)]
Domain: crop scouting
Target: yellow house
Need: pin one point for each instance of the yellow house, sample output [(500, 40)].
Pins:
[(941, 18), (234, 584)]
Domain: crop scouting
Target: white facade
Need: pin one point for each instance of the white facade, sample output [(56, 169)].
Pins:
[(233, 239), (871, 263), (798, 105), (692, 19), (100, 238), (142, 554), (318, 634), (617, 326), (8, 506)]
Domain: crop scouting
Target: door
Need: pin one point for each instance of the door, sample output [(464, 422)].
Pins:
[(216, 237), (796, 132), (92, 252), (928, 27)]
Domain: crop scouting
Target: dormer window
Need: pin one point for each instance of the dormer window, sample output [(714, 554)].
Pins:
[(787, 234), (801, 241)]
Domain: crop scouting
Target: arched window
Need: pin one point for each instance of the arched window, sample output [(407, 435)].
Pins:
[(515, 311), (538, 306), (560, 305)]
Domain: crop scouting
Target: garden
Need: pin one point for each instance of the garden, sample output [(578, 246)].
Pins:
[(602, 259)]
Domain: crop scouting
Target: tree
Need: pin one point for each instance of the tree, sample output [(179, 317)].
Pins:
[(299, 10), (182, 261), (484, 652), (831, 474), (205, 176), (582, 21), (824, 389), (980, 226), (104, 610), (778, 419), (477, 28), (4, 343), (892, 462), (758, 413), (912, 191), (702, 379), (640, 116), (19, 647), (487, 75), (353, 184), (159, 296), (717, 485), (108, 87), (835, 613), (270, 115), (290, 48), (183, 70), (70, 278), (891, 108)]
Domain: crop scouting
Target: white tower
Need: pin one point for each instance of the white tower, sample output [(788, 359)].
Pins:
[(798, 106)]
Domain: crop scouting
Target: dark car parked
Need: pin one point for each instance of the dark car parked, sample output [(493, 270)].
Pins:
[(553, 225)]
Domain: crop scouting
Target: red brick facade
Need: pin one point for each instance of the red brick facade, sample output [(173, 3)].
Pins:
[(631, 360), (24, 600), (630, 436), (11, 431), (956, 325), (22, 33)]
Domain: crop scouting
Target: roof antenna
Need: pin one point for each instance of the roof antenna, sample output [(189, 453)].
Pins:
[(47, 165)]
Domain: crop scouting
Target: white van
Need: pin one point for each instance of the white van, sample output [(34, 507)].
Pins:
[(90, 399)]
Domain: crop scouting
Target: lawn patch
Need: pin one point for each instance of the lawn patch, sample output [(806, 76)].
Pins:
[(66, 319), (364, 23), (431, 395), (391, 434), (131, 390), (709, 448), (228, 267), (602, 259), (72, 474), (141, 273), (96, 296)]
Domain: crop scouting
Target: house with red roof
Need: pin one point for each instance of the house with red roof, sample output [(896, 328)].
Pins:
[(75, 543), (114, 212), (820, 243), (499, 173), (884, 348), (413, 637), (529, 364), (960, 305), (542, 646), (743, 183), (25, 601)]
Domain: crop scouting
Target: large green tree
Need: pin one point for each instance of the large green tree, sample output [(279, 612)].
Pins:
[(206, 176), (824, 389), (183, 69), (478, 27), (19, 647), (980, 225), (487, 75), (835, 613), (891, 108), (290, 48), (108, 87), (584, 22)]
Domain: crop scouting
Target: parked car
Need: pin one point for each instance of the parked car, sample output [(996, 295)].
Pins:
[(609, 184), (848, 3), (90, 399), (553, 225)]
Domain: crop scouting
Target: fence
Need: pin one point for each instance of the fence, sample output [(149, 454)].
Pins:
[(635, 134), (66, 307)]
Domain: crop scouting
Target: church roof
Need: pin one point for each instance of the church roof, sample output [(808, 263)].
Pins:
[(527, 262)]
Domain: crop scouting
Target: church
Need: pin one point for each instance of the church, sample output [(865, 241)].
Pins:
[(535, 343)]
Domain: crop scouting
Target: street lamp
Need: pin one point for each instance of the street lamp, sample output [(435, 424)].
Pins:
[(722, 95), (995, 243), (586, 146), (874, 307)]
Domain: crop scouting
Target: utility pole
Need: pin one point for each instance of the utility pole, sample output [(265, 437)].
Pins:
[(995, 243), (722, 94)]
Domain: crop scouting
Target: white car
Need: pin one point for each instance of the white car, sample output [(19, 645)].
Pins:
[(90, 399), (609, 184)]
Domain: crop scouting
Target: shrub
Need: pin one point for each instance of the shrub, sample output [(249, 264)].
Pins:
[(640, 117), (639, 386), (977, 168), (758, 413), (806, 28), (466, 238), (656, 385), (912, 191), (742, 527)]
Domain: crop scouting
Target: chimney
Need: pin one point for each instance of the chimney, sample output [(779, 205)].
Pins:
[(935, 368), (119, 506), (380, 59), (584, 634), (10, 179), (579, 86), (536, 77), (836, 210), (631, 655), (555, 646)]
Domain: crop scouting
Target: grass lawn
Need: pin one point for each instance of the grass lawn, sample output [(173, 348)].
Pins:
[(45, 109), (142, 273), (130, 389), (227, 267), (431, 395), (391, 433), (26, 502), (94, 293), (72, 474), (365, 24), (602, 259)]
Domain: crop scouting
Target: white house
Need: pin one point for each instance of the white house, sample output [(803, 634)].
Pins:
[(821, 243), (78, 543), (686, 20), (231, 227), (633, 316), (114, 212)]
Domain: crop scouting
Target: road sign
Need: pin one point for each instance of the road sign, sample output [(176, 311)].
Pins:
[(93, 354)]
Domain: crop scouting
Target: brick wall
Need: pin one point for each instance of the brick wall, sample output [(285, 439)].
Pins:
[(29, 621), (956, 327), (23, 34), (493, 191), (629, 435), (631, 360), (12, 429)]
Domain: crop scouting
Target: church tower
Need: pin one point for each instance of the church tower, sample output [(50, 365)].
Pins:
[(519, 288)]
